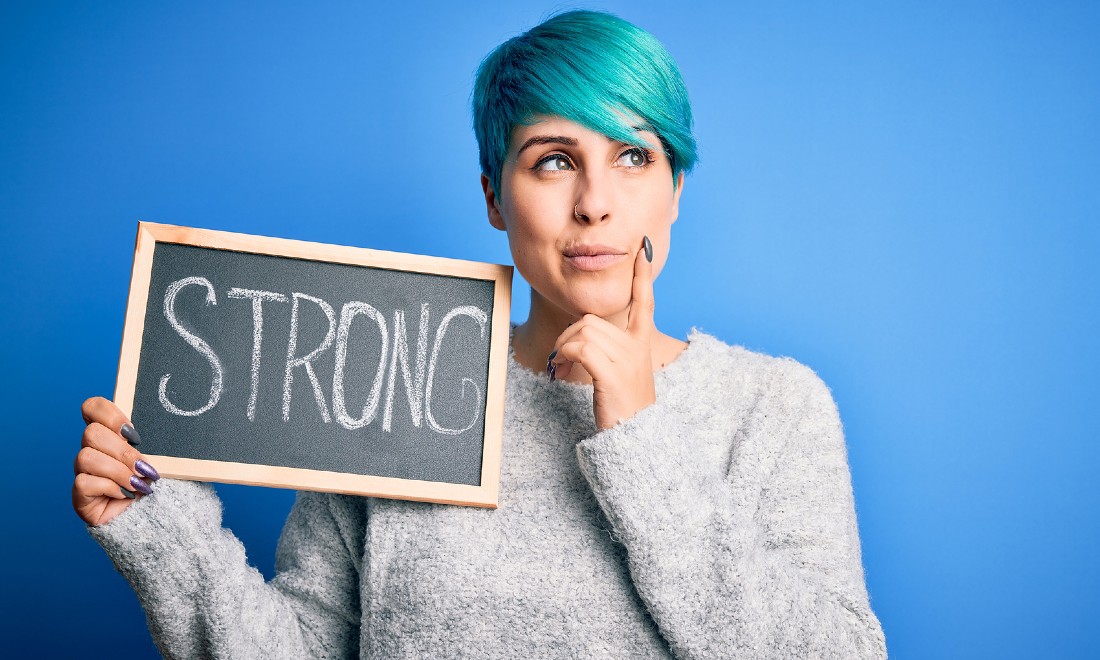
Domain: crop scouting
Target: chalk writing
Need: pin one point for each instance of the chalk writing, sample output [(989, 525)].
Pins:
[(258, 298), (418, 371), (198, 344)]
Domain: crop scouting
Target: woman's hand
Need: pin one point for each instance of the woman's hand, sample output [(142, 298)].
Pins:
[(620, 362), (106, 464)]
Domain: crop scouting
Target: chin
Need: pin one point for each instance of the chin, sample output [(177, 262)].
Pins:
[(605, 295), (602, 303)]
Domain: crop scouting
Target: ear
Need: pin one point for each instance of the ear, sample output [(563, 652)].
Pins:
[(676, 196), (491, 204)]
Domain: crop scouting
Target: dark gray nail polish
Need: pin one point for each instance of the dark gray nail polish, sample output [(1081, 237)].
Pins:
[(139, 485), (130, 433), (553, 372), (128, 493), (146, 470), (648, 249), (553, 354)]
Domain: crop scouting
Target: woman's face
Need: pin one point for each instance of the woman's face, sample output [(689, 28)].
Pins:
[(576, 205)]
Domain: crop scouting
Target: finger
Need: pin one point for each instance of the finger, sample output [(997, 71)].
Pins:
[(595, 330), (588, 328), (590, 356), (589, 320), (97, 499), (105, 412), (562, 371), (640, 317), (103, 439), (96, 463), (87, 488), (562, 367)]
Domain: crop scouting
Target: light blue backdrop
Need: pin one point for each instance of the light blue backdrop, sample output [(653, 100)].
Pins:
[(901, 195)]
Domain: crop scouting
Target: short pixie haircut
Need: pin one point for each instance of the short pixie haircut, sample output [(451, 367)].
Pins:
[(591, 67)]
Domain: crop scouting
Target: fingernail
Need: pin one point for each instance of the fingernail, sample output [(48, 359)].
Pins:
[(648, 249), (553, 372), (130, 433), (128, 493), (146, 470), (139, 484)]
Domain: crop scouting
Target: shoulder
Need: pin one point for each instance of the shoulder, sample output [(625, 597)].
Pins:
[(776, 405), (775, 381)]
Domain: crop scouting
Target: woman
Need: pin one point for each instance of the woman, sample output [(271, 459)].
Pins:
[(657, 496)]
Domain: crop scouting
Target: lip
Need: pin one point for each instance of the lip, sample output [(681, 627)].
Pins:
[(592, 257)]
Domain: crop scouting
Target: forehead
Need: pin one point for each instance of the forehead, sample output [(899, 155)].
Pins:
[(555, 125)]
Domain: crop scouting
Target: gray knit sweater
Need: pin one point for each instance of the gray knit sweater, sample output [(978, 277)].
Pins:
[(718, 522)]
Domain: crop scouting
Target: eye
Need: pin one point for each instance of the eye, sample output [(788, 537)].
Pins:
[(636, 157), (553, 163)]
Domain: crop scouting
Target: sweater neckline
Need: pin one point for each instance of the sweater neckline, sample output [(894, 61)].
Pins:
[(660, 377)]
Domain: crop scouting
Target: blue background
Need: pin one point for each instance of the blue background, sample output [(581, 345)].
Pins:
[(903, 197)]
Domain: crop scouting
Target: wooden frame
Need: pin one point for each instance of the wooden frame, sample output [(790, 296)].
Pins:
[(484, 495)]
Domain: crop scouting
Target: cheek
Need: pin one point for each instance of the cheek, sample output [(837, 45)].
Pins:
[(653, 192), (657, 209), (532, 223), (655, 212), (527, 240)]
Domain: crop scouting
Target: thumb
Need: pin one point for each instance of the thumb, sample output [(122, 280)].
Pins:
[(639, 321)]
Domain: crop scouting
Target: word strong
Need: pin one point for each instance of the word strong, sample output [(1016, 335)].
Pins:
[(419, 367)]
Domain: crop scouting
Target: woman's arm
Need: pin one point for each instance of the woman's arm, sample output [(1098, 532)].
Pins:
[(757, 558), (203, 599)]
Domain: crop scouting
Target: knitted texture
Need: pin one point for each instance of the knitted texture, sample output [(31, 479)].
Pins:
[(717, 522)]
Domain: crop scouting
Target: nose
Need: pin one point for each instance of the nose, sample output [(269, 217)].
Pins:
[(594, 199)]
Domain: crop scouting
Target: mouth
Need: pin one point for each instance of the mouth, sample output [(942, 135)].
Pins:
[(592, 257)]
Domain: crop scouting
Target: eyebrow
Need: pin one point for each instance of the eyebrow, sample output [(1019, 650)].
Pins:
[(547, 139), (562, 139)]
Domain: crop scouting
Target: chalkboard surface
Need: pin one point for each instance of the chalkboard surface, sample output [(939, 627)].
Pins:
[(316, 367)]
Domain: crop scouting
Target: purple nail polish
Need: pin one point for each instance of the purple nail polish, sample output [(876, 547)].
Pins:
[(139, 485), (146, 470)]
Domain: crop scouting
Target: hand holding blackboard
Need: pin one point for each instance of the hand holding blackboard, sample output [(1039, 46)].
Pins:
[(266, 361), (110, 473)]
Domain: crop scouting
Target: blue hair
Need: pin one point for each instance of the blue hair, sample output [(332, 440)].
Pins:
[(591, 67)]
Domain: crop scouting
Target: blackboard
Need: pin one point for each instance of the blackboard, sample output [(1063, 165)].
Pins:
[(257, 360)]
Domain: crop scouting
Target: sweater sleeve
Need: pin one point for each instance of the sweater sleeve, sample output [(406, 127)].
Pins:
[(757, 557), (203, 599)]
